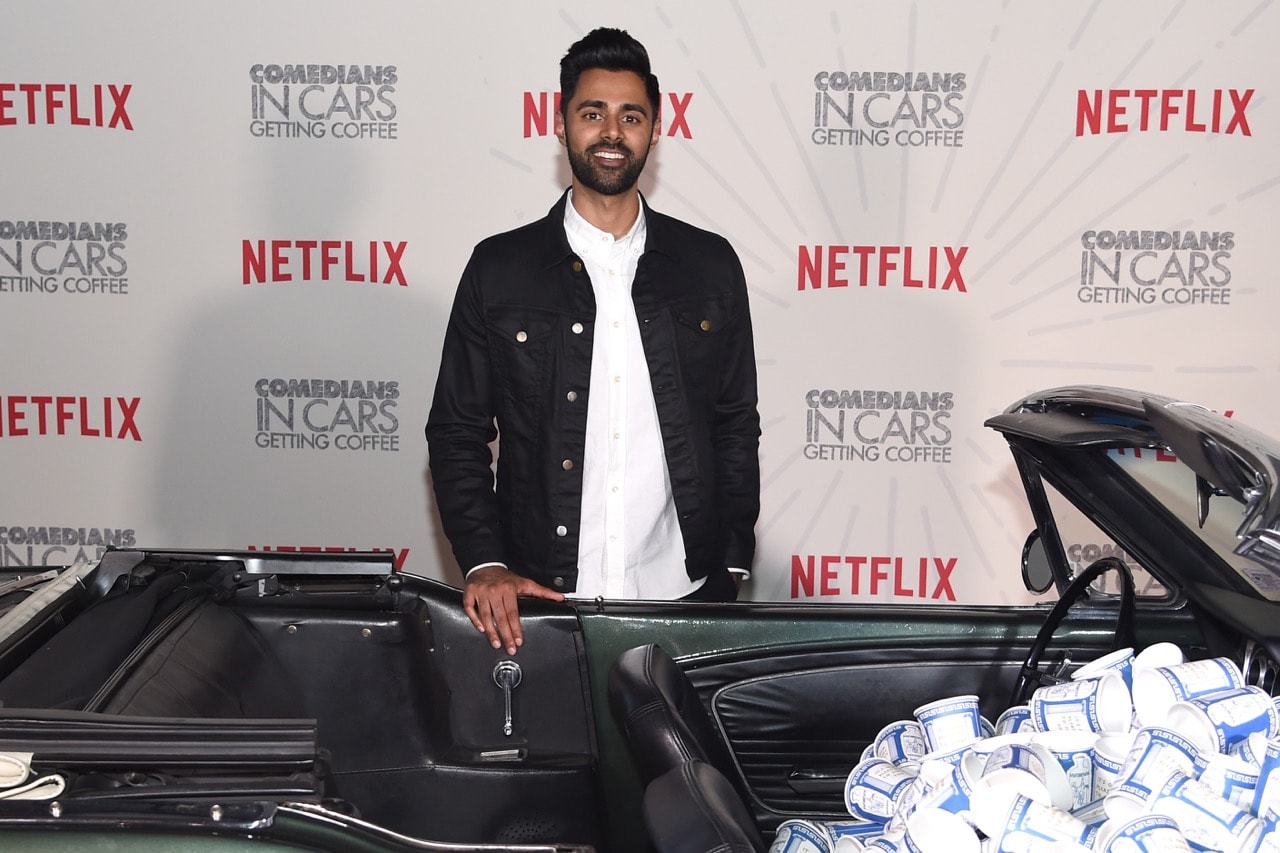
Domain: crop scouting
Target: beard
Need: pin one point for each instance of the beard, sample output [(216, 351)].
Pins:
[(606, 181)]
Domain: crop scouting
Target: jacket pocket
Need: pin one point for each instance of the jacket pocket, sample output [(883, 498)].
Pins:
[(701, 328), (522, 343)]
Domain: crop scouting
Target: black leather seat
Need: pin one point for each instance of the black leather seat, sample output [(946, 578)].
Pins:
[(662, 716), (692, 808)]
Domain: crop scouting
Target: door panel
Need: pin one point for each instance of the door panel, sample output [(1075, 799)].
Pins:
[(798, 691)]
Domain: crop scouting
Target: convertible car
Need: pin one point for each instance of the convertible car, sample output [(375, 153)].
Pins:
[(237, 701)]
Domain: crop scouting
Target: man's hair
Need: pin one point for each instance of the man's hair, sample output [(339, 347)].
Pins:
[(611, 50)]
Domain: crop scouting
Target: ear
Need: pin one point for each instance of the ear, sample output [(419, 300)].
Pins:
[(557, 125), (657, 131)]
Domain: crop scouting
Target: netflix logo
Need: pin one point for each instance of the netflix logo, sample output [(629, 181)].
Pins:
[(74, 104), (1163, 110), (919, 267), (541, 107), (350, 261), (51, 415)]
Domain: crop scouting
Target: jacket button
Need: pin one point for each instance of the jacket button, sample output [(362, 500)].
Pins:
[(571, 396), (567, 464), (562, 531), (557, 582), (576, 328), (577, 266), (705, 325), (522, 336)]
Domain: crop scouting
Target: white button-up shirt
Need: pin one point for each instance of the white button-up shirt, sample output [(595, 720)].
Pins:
[(629, 543)]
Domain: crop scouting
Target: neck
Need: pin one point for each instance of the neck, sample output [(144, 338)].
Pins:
[(612, 213)]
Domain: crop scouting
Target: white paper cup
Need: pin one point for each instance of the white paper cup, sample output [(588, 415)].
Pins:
[(1157, 752), (950, 723), (1121, 661), (1157, 689), (1159, 654), (1109, 753), (873, 788), (1252, 750), (801, 836), (1014, 720), (1230, 777), (1020, 824), (1017, 769), (1218, 721), (1208, 821), (1153, 833), (1074, 753), (1267, 797), (900, 742), (1098, 704), (934, 830)]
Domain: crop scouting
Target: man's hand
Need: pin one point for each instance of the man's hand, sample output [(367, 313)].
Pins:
[(489, 599)]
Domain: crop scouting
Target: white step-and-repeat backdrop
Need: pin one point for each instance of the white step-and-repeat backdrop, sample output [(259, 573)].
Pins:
[(230, 234)]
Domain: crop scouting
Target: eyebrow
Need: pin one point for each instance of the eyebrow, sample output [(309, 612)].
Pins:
[(626, 108)]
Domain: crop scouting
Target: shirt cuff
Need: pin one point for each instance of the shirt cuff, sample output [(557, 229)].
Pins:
[(744, 573), (483, 566)]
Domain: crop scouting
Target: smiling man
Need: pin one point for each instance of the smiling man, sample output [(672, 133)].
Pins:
[(609, 350)]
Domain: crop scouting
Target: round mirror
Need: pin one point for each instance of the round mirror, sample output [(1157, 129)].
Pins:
[(1037, 573)]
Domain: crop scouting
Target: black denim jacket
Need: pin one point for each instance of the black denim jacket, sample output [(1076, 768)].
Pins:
[(516, 366)]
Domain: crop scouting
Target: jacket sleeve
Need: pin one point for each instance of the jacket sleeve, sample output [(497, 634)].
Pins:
[(736, 432), (460, 430)]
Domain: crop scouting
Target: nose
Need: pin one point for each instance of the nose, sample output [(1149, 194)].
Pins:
[(612, 129)]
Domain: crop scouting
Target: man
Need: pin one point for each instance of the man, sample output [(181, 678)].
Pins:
[(609, 350)]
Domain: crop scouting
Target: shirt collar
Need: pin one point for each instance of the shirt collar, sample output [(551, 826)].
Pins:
[(583, 234)]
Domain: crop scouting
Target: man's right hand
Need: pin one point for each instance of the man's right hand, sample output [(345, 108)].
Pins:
[(489, 599)]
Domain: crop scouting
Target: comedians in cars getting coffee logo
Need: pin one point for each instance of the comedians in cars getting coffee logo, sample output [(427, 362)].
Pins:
[(75, 257), (1149, 267), (313, 101), (847, 426), (877, 109), (23, 546), (327, 414)]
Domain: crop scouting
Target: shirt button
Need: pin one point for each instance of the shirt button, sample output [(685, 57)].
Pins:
[(577, 266), (571, 396), (567, 464), (616, 324), (562, 531), (557, 582), (576, 328), (522, 336), (705, 325)]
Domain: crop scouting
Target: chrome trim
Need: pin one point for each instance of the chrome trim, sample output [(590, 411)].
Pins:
[(344, 821)]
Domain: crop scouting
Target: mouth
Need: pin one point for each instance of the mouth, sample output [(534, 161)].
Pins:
[(610, 156)]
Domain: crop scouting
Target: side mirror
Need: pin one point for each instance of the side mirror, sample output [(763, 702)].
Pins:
[(1037, 573)]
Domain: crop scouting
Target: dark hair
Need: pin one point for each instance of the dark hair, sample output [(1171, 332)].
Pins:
[(609, 49)]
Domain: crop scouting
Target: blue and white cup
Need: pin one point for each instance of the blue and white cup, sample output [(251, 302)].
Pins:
[(1097, 704), (1019, 824), (935, 830), (1158, 689), (950, 723), (1074, 753), (1109, 753), (874, 787), (1152, 833), (849, 836), (1014, 720), (1158, 751), (1208, 821), (801, 836), (1121, 661), (1230, 777), (1216, 722), (1252, 749), (1266, 799), (1018, 769), (1159, 654), (900, 742), (1134, 796)]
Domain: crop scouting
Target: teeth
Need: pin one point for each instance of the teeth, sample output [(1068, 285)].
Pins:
[(612, 155)]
